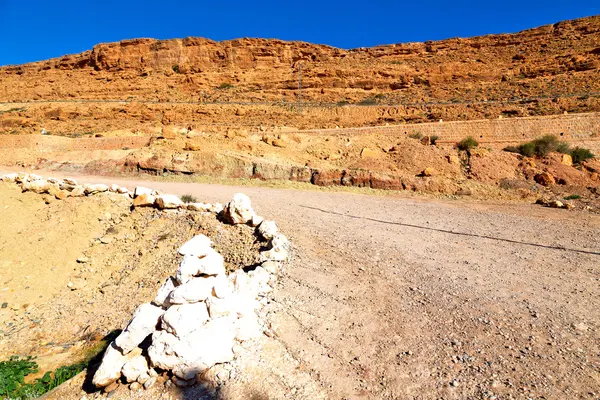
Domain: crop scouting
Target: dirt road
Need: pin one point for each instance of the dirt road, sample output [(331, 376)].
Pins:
[(401, 298)]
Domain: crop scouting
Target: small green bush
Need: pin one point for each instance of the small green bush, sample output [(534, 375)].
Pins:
[(545, 145), (580, 154), (188, 198), (433, 139), (512, 149), (175, 68), (342, 103), (225, 86), (467, 143), (563, 147), (572, 197), (369, 101), (416, 135), (527, 149)]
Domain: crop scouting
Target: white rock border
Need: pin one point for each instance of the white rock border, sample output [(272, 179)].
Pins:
[(199, 313)]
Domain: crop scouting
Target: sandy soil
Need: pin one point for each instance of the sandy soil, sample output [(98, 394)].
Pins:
[(404, 298)]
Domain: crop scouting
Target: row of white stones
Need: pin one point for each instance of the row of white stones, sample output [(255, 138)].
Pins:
[(200, 313)]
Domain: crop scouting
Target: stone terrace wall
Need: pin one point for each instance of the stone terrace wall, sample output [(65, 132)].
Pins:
[(583, 127), (63, 144)]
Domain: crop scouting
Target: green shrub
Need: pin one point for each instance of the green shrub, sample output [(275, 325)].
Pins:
[(416, 135), (545, 145), (369, 101), (175, 68), (527, 149), (14, 371), (512, 149), (467, 143), (226, 86), (563, 147), (342, 103), (433, 139), (188, 198), (572, 197), (580, 154)]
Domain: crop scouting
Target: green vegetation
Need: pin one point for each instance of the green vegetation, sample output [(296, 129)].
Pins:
[(343, 103), (572, 197), (416, 135), (580, 154), (369, 101), (541, 147), (175, 68), (467, 143), (14, 371), (188, 198), (433, 139), (225, 86)]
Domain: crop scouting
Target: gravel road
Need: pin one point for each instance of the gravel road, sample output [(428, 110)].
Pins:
[(389, 297)]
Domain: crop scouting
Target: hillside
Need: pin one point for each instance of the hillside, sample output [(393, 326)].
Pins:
[(555, 67)]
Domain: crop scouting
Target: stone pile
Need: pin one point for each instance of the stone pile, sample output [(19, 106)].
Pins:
[(200, 314)]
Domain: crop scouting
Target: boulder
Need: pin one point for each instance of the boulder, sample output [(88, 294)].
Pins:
[(112, 363), (238, 210), (140, 190), (223, 287), (144, 200), (94, 188), (193, 291), (142, 324), (70, 181), (181, 320), (544, 179), (256, 221), (267, 229), (210, 264), (428, 172), (135, 367), (368, 153), (212, 343), (199, 245), (566, 159), (10, 177), (248, 328), (37, 186), (78, 191), (204, 207), (165, 350), (164, 291), (168, 201)]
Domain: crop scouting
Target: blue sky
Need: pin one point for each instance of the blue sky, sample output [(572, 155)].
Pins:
[(37, 30)]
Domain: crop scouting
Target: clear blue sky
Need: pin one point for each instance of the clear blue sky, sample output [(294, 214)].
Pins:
[(37, 30)]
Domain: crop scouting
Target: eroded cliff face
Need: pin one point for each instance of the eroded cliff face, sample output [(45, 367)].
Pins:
[(481, 77)]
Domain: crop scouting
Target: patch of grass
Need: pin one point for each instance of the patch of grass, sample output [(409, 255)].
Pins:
[(343, 103), (188, 198), (572, 197), (433, 139), (225, 86), (416, 135), (15, 369), (580, 154), (467, 143), (369, 101)]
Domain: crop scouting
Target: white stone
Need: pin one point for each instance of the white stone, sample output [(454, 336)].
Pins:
[(163, 293), (211, 264), (197, 246), (213, 342), (78, 191), (94, 188), (183, 319), (239, 209), (10, 177), (34, 177), (163, 350), (144, 376), (144, 200), (52, 180), (248, 328), (272, 267), (168, 201), (139, 190), (223, 287), (193, 291), (70, 181), (113, 188), (188, 268), (134, 368), (142, 324), (112, 363), (221, 307), (268, 229), (279, 241), (204, 207), (37, 186), (122, 190), (217, 208), (259, 279), (256, 220)]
